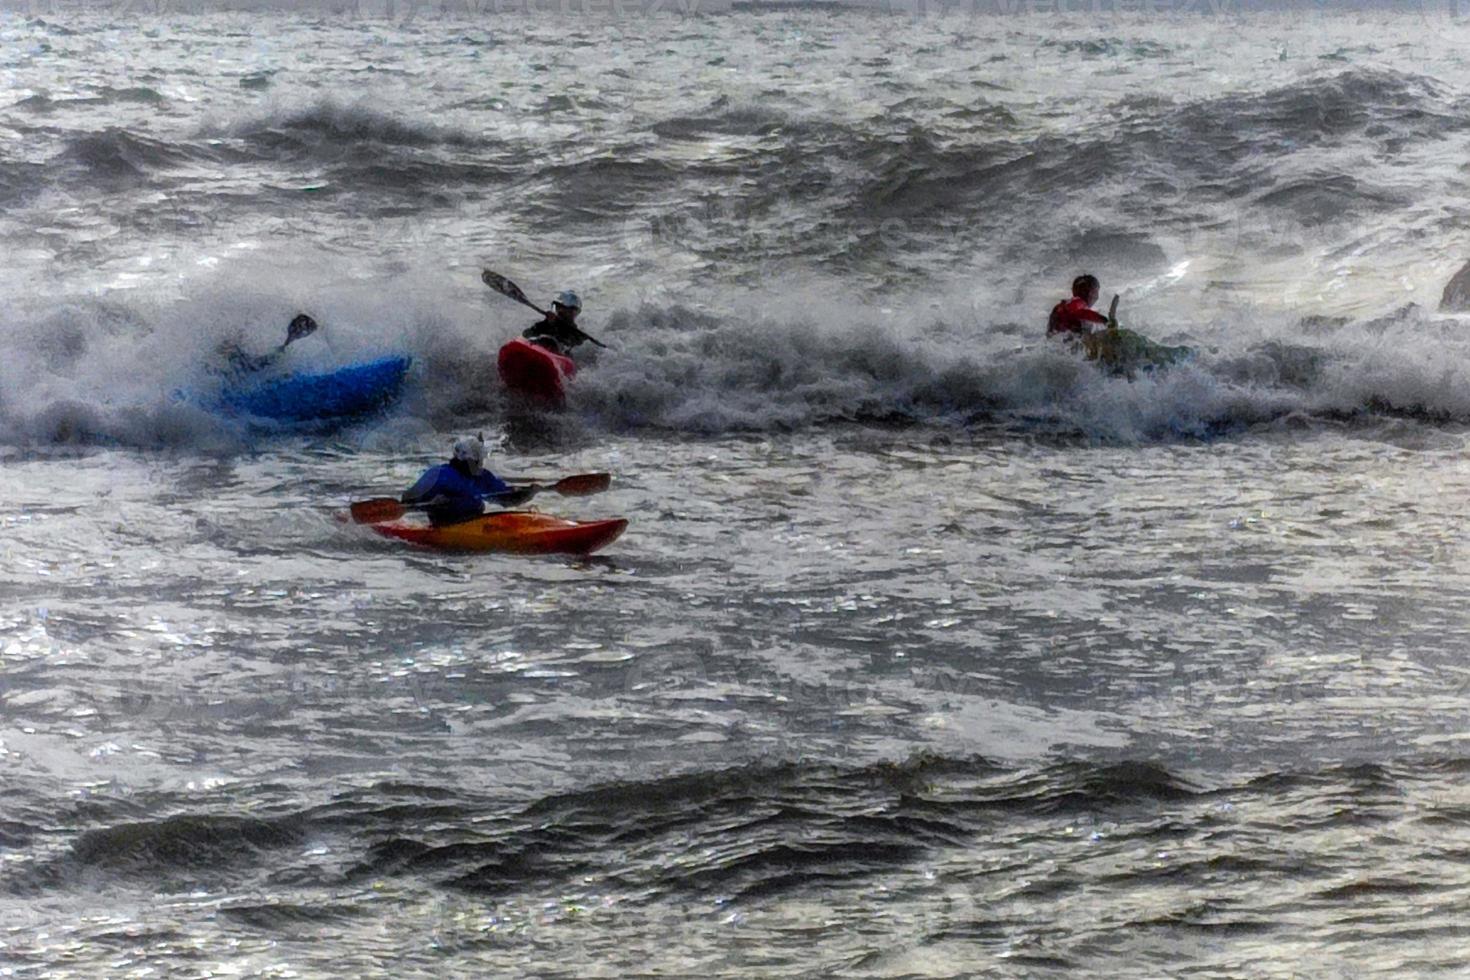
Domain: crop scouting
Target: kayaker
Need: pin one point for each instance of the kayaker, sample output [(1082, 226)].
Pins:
[(1074, 316), (559, 332), (242, 363), (455, 491)]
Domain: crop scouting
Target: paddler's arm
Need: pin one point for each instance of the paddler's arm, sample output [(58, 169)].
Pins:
[(497, 491), (424, 489), (540, 329), (263, 361), (568, 335), (513, 497), (242, 363)]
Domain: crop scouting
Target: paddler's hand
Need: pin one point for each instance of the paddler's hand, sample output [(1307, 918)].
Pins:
[(438, 500), (513, 497)]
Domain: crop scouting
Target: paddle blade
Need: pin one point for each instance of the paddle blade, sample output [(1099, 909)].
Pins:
[(302, 326), (504, 286), (377, 510), (583, 484), (1113, 310)]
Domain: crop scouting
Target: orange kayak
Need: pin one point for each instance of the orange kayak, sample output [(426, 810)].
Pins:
[(511, 532), (535, 372)]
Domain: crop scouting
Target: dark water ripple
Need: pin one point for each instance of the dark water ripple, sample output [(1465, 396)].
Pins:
[(980, 852)]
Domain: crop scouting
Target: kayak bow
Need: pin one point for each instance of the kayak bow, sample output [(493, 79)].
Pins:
[(535, 372)]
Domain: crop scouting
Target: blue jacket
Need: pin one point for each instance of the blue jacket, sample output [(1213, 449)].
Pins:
[(461, 495)]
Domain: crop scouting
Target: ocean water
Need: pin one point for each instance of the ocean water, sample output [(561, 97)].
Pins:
[(930, 651)]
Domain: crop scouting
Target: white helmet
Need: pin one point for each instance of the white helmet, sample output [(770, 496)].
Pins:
[(570, 300), (470, 449)]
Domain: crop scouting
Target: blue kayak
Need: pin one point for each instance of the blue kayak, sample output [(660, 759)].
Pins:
[(348, 391)]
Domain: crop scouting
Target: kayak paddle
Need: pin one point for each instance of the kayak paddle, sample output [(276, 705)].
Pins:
[(381, 509), (588, 336), (506, 288), (580, 485), (302, 326), (243, 363), (1113, 313)]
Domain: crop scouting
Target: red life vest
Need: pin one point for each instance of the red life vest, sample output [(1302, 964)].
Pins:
[(1072, 316)]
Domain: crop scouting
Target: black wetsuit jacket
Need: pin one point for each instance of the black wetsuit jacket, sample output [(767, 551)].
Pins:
[(563, 334)]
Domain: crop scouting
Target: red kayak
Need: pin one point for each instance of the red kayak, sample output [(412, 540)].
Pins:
[(535, 372), (510, 532)]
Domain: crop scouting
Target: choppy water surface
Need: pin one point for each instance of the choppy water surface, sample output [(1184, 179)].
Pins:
[(930, 650), (875, 703)]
